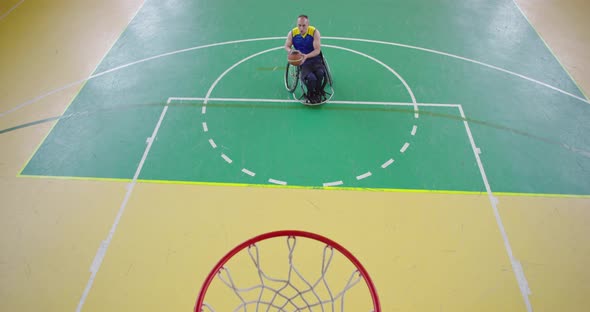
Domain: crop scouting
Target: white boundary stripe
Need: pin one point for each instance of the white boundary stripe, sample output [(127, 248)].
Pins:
[(11, 9), (248, 172), (521, 279), (405, 147), (19, 106), (277, 182), (399, 77), (384, 65), (205, 128), (234, 66), (364, 175), (387, 163), (414, 129), (202, 99), (392, 103), (185, 50), (104, 245), (335, 183), (226, 158), (204, 110), (212, 143), (463, 59)]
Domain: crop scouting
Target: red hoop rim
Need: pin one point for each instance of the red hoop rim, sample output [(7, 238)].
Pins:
[(295, 233)]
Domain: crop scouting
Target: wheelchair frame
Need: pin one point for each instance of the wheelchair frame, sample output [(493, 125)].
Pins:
[(292, 78)]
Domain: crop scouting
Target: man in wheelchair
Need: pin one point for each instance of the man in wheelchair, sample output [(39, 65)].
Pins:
[(306, 40)]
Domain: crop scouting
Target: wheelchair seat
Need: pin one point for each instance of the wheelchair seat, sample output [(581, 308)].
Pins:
[(293, 78)]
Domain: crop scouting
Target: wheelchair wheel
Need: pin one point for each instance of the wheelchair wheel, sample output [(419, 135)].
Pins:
[(328, 79), (291, 77)]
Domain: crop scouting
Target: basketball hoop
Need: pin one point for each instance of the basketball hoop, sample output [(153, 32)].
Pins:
[(289, 287)]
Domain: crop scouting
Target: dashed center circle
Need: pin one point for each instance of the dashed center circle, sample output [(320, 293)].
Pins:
[(362, 176)]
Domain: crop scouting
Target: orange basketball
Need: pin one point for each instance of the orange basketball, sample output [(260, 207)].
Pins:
[(295, 58)]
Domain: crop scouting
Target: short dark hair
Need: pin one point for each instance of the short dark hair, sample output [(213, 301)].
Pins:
[(303, 15)]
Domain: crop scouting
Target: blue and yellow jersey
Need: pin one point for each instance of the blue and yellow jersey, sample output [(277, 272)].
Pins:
[(303, 42)]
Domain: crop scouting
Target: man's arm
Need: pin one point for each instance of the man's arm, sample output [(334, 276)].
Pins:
[(289, 42), (316, 45)]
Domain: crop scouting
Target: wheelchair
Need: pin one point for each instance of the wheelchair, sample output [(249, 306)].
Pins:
[(292, 79)]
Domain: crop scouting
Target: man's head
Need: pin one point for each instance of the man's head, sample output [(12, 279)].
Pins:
[(302, 23)]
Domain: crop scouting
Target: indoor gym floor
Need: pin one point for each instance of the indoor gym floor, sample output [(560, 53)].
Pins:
[(453, 159)]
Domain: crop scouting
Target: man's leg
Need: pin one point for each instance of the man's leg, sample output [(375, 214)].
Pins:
[(315, 83), (320, 75), (310, 80)]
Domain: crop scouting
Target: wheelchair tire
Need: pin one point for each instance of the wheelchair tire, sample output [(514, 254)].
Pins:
[(328, 73), (291, 77)]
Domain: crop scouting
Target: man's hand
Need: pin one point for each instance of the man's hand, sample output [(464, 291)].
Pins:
[(295, 51)]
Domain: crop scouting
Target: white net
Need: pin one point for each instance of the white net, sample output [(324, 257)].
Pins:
[(328, 289)]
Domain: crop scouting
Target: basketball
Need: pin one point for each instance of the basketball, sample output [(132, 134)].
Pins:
[(295, 58)]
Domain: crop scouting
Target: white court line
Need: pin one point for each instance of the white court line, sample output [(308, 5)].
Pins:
[(71, 84), (414, 129), (405, 147), (391, 70), (393, 103), (212, 143), (212, 87), (183, 51), (133, 63), (364, 175), (11, 9), (234, 66), (515, 264), (202, 99), (387, 163), (36, 99), (100, 254), (463, 59), (226, 158), (277, 182), (104, 245), (205, 128), (248, 172), (517, 268)]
